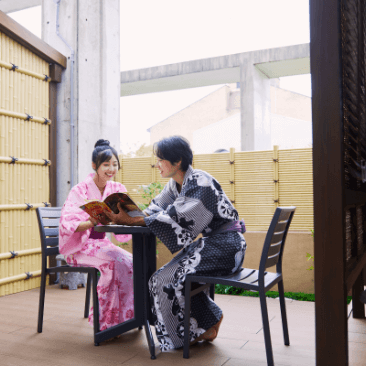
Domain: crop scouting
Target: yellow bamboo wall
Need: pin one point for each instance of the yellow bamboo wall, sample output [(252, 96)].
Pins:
[(256, 181), (24, 91)]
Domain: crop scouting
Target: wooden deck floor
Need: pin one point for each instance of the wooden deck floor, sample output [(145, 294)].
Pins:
[(67, 337)]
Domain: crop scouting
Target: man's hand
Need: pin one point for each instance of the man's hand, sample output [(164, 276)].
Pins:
[(122, 218)]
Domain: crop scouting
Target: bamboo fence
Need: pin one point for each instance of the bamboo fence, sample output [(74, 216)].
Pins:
[(255, 181), (24, 164)]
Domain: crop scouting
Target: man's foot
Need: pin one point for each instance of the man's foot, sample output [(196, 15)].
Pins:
[(210, 334), (213, 335)]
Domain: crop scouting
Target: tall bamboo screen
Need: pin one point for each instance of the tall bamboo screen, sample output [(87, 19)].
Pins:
[(256, 181), (24, 171)]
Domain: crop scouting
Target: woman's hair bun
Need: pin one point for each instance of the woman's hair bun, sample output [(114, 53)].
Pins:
[(102, 142)]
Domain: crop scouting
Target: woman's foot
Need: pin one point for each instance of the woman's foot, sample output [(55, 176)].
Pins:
[(113, 338)]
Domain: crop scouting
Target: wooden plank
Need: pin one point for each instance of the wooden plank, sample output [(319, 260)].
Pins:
[(27, 39), (326, 77)]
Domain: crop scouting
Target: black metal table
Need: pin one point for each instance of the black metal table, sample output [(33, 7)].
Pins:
[(144, 265)]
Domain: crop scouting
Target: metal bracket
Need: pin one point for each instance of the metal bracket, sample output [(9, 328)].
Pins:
[(29, 206), (13, 254), (46, 162), (14, 67), (152, 165), (28, 117), (46, 77), (46, 120), (275, 160), (232, 201), (13, 160), (232, 181), (29, 275), (231, 162), (46, 204), (276, 201), (275, 181)]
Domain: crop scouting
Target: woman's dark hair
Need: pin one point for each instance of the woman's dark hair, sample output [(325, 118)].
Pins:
[(174, 149), (103, 152)]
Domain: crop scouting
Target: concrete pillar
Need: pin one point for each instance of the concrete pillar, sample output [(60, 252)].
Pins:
[(255, 105), (92, 30)]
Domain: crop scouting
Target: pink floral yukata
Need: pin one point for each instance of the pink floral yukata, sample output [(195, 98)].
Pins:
[(89, 248)]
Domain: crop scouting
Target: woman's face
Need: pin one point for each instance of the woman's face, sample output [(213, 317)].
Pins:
[(166, 169), (108, 169)]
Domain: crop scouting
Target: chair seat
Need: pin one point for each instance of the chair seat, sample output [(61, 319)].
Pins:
[(244, 278)]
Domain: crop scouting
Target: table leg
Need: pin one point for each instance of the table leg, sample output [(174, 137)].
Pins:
[(149, 256)]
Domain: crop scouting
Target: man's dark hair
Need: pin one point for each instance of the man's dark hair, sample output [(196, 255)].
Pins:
[(174, 149), (103, 152)]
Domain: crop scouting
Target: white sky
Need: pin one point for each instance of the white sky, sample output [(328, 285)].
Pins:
[(167, 31)]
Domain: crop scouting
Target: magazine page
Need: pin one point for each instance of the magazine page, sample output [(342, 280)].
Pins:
[(126, 203), (95, 209)]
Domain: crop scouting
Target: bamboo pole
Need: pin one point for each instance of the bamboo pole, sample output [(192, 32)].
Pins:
[(20, 277), (232, 175), (275, 176), (21, 206), (153, 172), (22, 70)]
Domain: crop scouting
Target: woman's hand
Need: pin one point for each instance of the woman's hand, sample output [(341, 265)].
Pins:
[(93, 221), (86, 225), (122, 218)]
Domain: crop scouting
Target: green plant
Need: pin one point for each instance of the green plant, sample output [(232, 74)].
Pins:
[(149, 192), (308, 255), (299, 296)]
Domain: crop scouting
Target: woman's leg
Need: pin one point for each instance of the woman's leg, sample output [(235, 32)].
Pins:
[(115, 286)]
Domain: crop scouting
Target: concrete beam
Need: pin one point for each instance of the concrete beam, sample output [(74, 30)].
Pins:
[(10, 6), (274, 63)]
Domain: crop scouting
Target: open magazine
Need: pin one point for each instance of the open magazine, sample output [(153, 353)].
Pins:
[(95, 208)]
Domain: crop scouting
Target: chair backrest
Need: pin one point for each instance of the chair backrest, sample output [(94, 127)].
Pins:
[(48, 222), (275, 239)]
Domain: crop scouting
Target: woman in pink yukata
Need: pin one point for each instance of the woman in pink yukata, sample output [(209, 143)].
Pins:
[(82, 245)]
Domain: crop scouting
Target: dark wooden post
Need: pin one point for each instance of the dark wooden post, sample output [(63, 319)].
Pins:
[(329, 236), (55, 74)]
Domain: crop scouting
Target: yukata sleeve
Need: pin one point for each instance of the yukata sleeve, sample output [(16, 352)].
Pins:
[(179, 223), (122, 238), (71, 216)]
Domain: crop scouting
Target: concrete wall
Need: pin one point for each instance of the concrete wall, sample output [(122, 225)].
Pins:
[(210, 109), (296, 276), (290, 104), (212, 121), (291, 133), (223, 134), (91, 28)]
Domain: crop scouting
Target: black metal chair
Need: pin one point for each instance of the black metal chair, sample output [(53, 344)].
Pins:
[(48, 221), (250, 279)]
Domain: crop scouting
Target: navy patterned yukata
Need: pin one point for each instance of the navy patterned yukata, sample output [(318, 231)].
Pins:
[(177, 219)]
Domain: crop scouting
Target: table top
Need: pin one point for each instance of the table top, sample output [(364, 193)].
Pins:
[(122, 229)]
